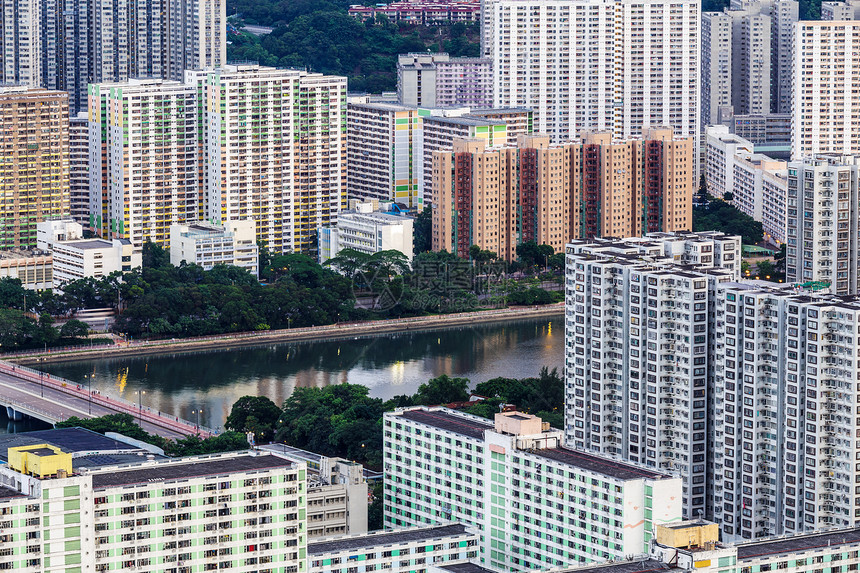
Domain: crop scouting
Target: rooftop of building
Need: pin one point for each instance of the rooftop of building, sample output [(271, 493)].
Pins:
[(466, 120), (8, 492), (798, 543), (380, 216), (383, 106), (89, 449), (384, 538), (598, 464), (87, 244), (188, 468), (644, 565), (23, 254), (466, 426), (466, 567), (500, 110)]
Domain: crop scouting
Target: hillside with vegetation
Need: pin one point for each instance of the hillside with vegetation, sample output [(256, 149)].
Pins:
[(323, 37)]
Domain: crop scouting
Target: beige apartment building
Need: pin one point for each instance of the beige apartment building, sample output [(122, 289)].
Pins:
[(34, 162), (552, 193)]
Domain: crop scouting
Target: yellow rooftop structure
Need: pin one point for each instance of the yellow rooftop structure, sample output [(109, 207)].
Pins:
[(40, 460)]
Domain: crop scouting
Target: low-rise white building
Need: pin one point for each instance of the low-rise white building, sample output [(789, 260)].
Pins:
[(206, 244), (367, 230), (33, 268), (76, 258), (410, 550), (758, 184)]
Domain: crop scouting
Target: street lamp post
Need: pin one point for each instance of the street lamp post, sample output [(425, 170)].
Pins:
[(197, 411), (140, 407), (89, 380)]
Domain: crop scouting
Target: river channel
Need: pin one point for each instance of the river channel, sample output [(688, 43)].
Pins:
[(391, 364)]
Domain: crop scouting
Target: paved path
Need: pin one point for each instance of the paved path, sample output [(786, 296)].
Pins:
[(53, 399)]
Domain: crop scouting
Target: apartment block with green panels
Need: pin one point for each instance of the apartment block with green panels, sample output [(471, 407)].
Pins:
[(236, 512), (410, 550), (536, 504)]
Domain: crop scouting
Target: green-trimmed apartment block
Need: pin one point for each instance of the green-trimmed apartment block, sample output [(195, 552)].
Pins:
[(410, 550), (693, 546), (243, 512), (535, 503)]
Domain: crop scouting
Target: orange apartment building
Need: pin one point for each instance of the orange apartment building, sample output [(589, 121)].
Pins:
[(497, 198), (34, 162)]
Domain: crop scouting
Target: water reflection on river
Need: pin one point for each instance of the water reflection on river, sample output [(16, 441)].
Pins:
[(390, 364)]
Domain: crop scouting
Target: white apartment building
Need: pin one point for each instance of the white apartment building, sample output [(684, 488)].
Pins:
[(824, 222), (696, 249), (784, 374), (760, 190), (596, 65), (79, 173), (438, 80), (337, 499), (636, 358), (143, 149), (409, 550), (826, 104), (367, 230), (383, 142), (840, 10), (207, 245), (239, 511), (194, 36), (721, 149), (20, 50), (758, 184), (716, 65), (535, 503), (75, 258), (746, 58), (275, 150)]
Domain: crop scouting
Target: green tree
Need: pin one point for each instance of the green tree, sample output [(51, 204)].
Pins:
[(375, 512), (257, 414), (422, 231), (721, 216), (766, 269), (442, 390), (75, 328)]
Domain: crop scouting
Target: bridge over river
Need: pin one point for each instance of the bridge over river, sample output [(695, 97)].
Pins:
[(24, 391)]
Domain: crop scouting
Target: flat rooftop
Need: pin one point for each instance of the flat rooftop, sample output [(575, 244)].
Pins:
[(70, 440), (446, 421), (468, 567), (88, 244), (8, 492), (797, 543), (358, 542), (633, 566), (598, 464), (168, 471)]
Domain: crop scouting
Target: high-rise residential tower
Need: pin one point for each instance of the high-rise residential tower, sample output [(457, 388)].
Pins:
[(824, 222), (826, 101), (20, 47), (275, 151), (549, 193), (34, 162), (785, 425), (144, 140), (600, 65), (746, 58), (636, 349)]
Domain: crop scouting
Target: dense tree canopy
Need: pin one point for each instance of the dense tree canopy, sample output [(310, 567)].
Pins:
[(323, 37), (721, 216)]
